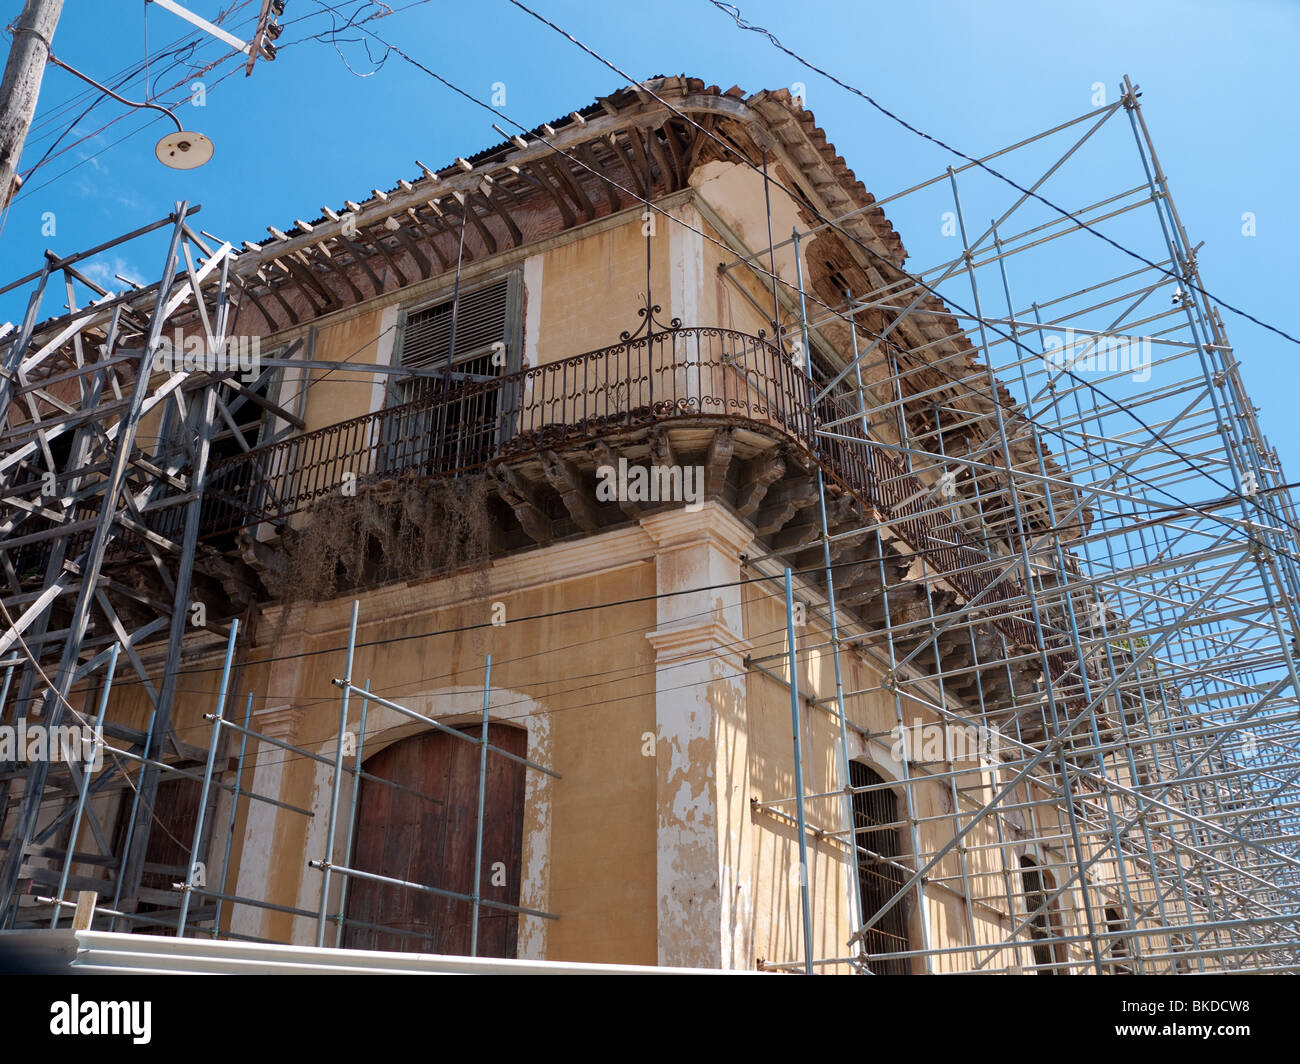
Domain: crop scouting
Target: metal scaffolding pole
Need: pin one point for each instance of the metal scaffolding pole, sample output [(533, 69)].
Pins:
[(1056, 527)]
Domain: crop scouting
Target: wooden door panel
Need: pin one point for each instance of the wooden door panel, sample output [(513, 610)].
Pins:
[(429, 838), (175, 812)]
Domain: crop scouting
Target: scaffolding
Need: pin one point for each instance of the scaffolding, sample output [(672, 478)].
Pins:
[(1074, 539), (80, 489), (1094, 509)]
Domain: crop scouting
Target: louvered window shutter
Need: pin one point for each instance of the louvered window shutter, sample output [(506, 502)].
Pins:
[(480, 322), (461, 426)]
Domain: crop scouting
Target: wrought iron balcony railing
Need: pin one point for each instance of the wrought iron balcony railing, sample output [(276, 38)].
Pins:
[(651, 377), (644, 379)]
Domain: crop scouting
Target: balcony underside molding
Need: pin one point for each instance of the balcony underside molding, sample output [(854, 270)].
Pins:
[(694, 416)]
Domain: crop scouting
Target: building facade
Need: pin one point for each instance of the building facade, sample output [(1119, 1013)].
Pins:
[(557, 405)]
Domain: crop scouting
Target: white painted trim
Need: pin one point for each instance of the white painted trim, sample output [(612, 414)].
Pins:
[(685, 289), (103, 951), (532, 297), (385, 352), (532, 307), (686, 254)]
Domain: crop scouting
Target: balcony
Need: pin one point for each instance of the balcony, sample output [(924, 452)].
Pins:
[(675, 376), (644, 380)]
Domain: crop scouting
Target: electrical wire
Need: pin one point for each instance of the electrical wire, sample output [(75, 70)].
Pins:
[(498, 662), (734, 12), (393, 692), (500, 709), (85, 723), (108, 147), (506, 118), (255, 663), (1181, 503), (189, 42), (333, 37), (955, 380), (901, 555), (541, 690), (133, 71), (390, 47), (831, 223), (50, 115)]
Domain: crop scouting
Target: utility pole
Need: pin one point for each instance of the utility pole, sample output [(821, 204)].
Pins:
[(22, 85)]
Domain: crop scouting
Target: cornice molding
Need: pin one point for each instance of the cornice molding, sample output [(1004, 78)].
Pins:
[(711, 640), (712, 523), (278, 722)]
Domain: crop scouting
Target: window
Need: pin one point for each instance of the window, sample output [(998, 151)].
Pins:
[(1121, 949), (464, 429), (482, 319), (424, 831), (879, 844), (1045, 921)]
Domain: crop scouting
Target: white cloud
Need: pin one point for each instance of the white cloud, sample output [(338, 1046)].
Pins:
[(104, 272)]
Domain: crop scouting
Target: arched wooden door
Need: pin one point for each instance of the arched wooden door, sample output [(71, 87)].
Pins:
[(423, 831)]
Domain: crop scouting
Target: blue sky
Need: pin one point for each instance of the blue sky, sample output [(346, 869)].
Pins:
[(1219, 83)]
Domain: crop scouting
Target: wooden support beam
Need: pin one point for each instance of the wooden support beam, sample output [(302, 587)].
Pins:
[(538, 175), (377, 241), (585, 153), (271, 323), (84, 915), (780, 506), (763, 472), (306, 276), (489, 241), (699, 140), (607, 456), (421, 260), (529, 179), (573, 186), (518, 495), (672, 179), (641, 161), (718, 461), (429, 234), (634, 171), (289, 312), (516, 236), (566, 480), (360, 257), (675, 149), (324, 258)]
